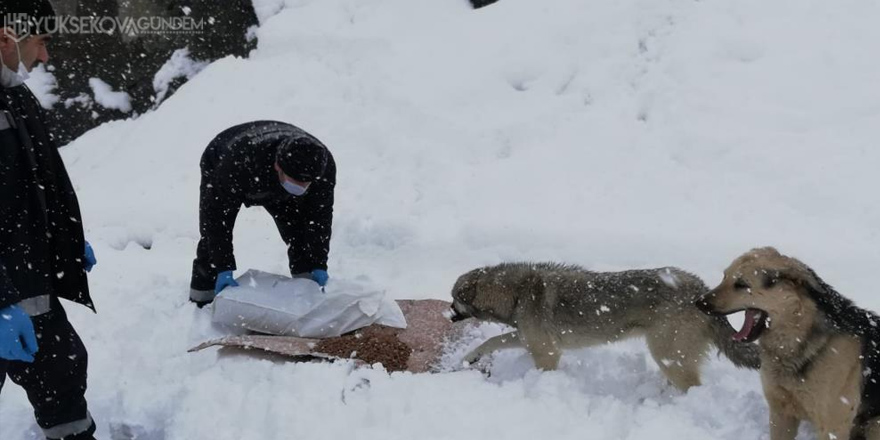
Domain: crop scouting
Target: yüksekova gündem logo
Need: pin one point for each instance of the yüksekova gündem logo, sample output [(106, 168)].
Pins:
[(24, 25)]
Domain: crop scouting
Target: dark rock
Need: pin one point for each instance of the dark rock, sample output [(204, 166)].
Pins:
[(480, 3), (128, 62)]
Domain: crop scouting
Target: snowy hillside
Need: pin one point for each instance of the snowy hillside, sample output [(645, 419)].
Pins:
[(624, 134)]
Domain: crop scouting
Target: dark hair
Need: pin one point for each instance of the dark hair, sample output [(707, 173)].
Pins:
[(302, 158), (38, 16)]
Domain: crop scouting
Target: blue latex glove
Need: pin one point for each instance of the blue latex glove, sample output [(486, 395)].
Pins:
[(90, 258), (18, 342), (320, 276), (224, 280)]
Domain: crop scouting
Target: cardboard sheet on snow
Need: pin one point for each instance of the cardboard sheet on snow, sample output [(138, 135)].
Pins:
[(278, 305), (416, 348)]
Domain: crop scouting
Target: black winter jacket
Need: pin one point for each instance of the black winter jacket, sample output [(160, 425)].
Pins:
[(238, 169), (41, 233)]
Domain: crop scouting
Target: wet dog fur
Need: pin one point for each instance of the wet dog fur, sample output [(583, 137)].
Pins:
[(554, 306), (819, 354)]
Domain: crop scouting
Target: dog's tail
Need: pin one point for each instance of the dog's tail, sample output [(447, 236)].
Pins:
[(742, 354)]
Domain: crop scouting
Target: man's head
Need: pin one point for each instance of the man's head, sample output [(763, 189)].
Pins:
[(26, 27), (299, 162), (29, 51)]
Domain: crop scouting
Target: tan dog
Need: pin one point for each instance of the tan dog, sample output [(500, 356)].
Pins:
[(554, 306), (819, 354)]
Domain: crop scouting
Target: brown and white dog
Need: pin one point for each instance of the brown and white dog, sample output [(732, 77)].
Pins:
[(819, 352)]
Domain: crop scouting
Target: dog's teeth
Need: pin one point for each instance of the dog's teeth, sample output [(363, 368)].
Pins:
[(737, 319)]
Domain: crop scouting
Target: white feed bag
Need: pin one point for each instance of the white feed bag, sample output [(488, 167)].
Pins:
[(279, 305)]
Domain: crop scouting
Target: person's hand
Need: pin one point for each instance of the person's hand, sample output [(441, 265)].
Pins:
[(320, 276), (18, 342), (224, 280), (90, 260)]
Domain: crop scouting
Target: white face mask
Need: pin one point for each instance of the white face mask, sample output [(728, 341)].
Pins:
[(8, 78), (294, 189)]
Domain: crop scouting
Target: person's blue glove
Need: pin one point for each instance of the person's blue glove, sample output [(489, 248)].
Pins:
[(91, 261), (320, 276), (224, 280), (18, 342)]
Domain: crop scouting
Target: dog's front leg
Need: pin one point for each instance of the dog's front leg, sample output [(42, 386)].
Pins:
[(782, 425), (842, 432), (500, 342), (542, 344), (838, 423)]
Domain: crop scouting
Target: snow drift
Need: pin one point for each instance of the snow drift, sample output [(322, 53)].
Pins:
[(614, 135)]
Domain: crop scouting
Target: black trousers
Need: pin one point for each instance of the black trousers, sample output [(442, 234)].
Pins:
[(285, 215), (55, 382)]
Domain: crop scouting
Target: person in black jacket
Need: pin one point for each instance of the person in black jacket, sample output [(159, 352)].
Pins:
[(279, 167), (43, 254)]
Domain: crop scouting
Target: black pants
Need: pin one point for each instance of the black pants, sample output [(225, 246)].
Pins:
[(56, 381), (285, 215), (285, 211)]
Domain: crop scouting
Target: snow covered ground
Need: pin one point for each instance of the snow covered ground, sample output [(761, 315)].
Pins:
[(625, 134)]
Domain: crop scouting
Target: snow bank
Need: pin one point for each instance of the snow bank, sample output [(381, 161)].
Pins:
[(615, 135), (106, 97)]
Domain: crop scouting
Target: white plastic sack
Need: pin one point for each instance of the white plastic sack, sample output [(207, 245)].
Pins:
[(279, 305)]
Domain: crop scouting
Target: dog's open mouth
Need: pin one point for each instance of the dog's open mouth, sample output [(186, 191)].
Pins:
[(754, 323), (453, 315)]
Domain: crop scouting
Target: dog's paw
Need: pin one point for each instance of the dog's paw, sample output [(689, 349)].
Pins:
[(477, 361), (472, 358)]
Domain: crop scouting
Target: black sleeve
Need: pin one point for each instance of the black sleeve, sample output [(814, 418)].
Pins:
[(8, 293), (8, 164), (220, 200), (318, 221), (306, 224)]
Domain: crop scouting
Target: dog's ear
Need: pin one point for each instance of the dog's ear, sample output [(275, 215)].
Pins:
[(802, 275), (495, 298), (842, 312)]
